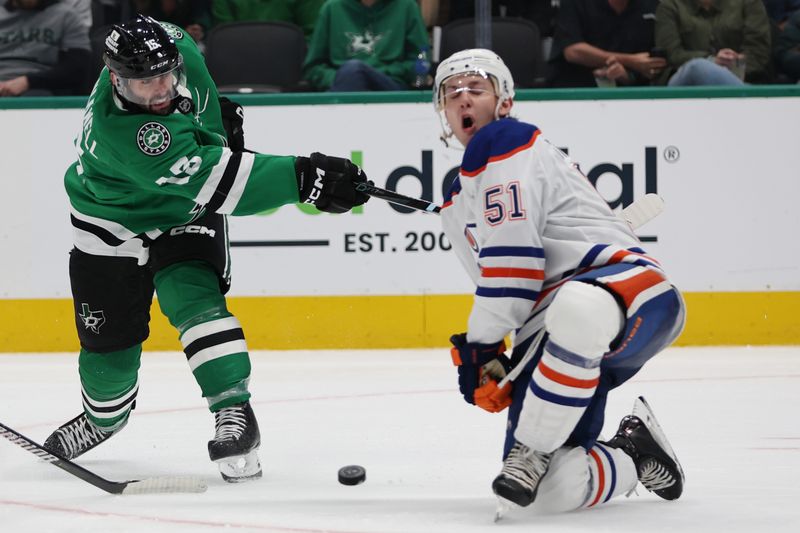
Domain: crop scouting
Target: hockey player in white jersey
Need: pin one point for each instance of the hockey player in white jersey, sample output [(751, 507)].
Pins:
[(546, 252)]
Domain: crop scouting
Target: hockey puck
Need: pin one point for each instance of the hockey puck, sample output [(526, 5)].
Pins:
[(352, 475)]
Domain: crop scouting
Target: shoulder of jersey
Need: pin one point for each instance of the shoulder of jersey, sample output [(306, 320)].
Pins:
[(497, 141)]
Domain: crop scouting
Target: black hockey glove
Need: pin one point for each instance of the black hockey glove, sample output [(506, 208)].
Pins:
[(480, 368), (329, 183), (233, 122)]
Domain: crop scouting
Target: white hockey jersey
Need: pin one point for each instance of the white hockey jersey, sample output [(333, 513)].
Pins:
[(524, 220)]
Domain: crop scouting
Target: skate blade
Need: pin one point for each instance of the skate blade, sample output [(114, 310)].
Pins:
[(503, 507), (240, 468), (644, 412)]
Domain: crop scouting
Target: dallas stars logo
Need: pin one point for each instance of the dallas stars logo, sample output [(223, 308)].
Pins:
[(92, 320), (153, 138), (172, 30)]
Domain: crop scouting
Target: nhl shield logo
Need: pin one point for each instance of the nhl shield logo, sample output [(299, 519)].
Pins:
[(153, 138), (185, 105)]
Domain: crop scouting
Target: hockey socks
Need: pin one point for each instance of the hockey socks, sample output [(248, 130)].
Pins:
[(611, 472), (582, 321), (109, 385), (561, 387)]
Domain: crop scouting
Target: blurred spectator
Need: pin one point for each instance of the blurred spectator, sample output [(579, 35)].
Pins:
[(787, 48), (365, 45), (44, 48), (714, 42), (83, 9), (541, 12), (194, 16), (107, 12), (430, 11), (779, 11), (303, 13), (605, 43)]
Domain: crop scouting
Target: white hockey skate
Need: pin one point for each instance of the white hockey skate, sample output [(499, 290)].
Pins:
[(518, 481), (641, 437), (78, 436), (235, 444)]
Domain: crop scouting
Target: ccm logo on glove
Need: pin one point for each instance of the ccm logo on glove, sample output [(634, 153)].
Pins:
[(316, 188), (329, 183)]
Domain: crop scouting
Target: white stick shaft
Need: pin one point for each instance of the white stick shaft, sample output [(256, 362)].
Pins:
[(643, 210)]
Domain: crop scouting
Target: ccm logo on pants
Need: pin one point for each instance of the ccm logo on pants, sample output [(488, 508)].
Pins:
[(200, 230)]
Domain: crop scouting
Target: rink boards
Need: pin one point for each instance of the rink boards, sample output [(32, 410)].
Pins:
[(726, 166)]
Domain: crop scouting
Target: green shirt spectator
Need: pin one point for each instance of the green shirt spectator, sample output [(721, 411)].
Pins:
[(691, 29), (367, 36), (303, 13)]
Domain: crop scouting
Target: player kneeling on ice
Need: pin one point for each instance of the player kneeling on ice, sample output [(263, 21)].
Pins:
[(554, 264), (161, 164)]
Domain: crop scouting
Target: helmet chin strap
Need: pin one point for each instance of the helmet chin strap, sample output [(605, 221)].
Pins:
[(447, 133), (497, 109)]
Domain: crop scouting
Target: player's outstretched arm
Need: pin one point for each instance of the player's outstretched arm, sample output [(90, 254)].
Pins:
[(329, 183)]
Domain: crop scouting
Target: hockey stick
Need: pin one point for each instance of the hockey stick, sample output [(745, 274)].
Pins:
[(643, 210), (144, 486), (517, 370), (637, 214), (397, 198)]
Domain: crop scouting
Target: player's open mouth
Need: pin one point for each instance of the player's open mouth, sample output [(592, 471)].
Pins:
[(467, 122)]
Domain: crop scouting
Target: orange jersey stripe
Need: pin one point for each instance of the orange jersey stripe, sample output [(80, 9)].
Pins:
[(500, 157), (563, 379), (622, 254), (508, 272), (630, 288)]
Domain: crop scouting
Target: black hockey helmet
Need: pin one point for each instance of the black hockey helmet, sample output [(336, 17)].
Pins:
[(147, 66), (139, 49)]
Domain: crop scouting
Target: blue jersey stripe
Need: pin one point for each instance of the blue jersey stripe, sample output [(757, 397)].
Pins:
[(516, 251), (557, 398), (571, 358), (507, 292), (589, 258)]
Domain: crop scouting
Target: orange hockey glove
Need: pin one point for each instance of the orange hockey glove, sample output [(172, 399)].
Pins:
[(480, 368)]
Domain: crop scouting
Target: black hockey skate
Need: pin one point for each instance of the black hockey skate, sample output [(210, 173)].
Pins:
[(77, 437), (522, 471), (235, 445), (641, 437)]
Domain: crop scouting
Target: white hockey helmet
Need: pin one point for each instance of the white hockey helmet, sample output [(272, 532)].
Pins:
[(478, 61), (474, 61)]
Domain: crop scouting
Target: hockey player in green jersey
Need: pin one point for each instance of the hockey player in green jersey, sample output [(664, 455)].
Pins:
[(161, 163)]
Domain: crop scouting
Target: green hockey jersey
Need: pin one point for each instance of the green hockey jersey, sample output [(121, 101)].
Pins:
[(139, 174)]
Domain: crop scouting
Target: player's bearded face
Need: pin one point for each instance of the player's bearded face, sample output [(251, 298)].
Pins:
[(469, 104), (154, 94)]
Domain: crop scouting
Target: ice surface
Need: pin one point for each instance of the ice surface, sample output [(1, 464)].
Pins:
[(731, 415)]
